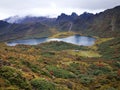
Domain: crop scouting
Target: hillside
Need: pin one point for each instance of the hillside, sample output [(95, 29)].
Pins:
[(59, 65), (31, 19), (104, 24), (10, 31)]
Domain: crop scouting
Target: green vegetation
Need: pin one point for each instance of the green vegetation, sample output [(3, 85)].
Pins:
[(110, 49), (63, 34), (14, 77), (58, 46), (86, 80), (41, 84), (85, 53), (60, 73), (61, 66)]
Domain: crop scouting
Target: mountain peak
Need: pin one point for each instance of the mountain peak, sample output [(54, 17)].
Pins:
[(117, 7), (74, 14), (28, 19), (14, 19), (87, 13)]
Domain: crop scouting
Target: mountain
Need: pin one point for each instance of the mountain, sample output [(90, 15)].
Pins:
[(14, 19), (59, 65), (103, 24), (83, 21), (31, 19), (64, 22), (10, 31), (64, 18), (25, 27), (3, 24)]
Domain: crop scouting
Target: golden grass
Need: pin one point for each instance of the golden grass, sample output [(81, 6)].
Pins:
[(63, 34), (88, 54), (99, 41)]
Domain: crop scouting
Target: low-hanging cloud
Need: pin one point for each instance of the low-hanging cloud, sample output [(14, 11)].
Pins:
[(89, 4), (52, 7)]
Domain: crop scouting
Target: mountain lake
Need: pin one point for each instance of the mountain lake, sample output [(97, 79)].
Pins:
[(75, 39)]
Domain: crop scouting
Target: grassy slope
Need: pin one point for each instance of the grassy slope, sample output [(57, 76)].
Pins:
[(63, 34), (63, 66)]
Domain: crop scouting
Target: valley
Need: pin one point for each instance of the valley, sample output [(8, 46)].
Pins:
[(59, 65)]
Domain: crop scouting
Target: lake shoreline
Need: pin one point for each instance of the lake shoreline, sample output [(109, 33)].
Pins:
[(75, 39)]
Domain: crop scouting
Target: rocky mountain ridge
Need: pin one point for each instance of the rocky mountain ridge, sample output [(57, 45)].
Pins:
[(104, 24)]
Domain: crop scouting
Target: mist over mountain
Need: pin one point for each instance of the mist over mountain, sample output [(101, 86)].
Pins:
[(14, 19), (29, 19), (104, 24)]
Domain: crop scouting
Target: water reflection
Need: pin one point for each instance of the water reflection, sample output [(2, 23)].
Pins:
[(76, 39)]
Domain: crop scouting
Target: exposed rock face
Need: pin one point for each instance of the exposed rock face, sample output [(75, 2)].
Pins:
[(104, 24), (66, 18)]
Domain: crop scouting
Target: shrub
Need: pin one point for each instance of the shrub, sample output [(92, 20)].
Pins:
[(36, 68), (14, 77), (75, 68), (107, 87), (97, 72), (58, 46), (60, 73), (100, 69), (110, 49), (74, 65), (41, 84), (48, 54), (33, 67), (117, 64), (84, 79)]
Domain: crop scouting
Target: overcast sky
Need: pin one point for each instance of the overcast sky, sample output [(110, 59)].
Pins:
[(53, 8)]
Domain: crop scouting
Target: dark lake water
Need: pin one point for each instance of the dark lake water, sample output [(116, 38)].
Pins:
[(76, 39)]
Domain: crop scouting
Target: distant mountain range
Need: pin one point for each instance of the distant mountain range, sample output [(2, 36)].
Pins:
[(104, 24), (29, 19)]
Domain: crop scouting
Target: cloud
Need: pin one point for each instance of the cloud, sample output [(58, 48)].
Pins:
[(52, 7), (88, 4)]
